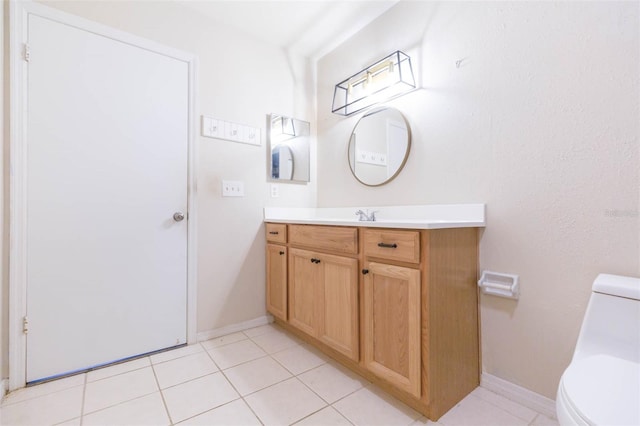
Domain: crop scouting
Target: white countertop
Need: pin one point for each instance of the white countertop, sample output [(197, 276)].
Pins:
[(434, 216)]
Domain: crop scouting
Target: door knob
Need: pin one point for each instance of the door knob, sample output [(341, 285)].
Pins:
[(178, 216)]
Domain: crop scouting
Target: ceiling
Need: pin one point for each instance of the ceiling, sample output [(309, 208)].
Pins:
[(311, 28)]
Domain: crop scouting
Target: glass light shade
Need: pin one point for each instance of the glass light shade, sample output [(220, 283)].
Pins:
[(386, 79)]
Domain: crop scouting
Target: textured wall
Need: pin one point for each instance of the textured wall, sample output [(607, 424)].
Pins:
[(532, 108)]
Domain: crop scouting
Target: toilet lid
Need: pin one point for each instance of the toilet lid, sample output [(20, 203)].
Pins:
[(604, 390)]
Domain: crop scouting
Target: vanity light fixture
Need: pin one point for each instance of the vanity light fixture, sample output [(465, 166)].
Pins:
[(386, 79)]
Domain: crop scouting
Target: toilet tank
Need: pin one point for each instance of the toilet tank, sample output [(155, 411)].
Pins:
[(611, 323)]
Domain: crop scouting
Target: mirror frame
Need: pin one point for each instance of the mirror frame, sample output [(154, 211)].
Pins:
[(406, 154)]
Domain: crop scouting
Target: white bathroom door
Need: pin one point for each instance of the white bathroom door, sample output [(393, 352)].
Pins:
[(107, 168)]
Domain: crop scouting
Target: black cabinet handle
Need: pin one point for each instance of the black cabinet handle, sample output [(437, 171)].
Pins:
[(314, 260), (385, 245), (273, 232), (365, 271), (281, 253)]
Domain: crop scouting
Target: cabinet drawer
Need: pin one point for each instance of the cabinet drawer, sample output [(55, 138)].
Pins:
[(395, 245), (333, 238), (276, 232)]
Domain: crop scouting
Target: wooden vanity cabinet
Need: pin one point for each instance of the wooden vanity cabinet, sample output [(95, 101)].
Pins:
[(276, 264), (397, 306)]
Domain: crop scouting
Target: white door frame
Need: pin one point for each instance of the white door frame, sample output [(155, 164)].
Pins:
[(18, 13)]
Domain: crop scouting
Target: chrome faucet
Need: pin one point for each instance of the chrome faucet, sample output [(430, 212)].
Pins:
[(366, 217)]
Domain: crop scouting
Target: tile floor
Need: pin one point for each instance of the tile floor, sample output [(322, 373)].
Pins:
[(260, 376)]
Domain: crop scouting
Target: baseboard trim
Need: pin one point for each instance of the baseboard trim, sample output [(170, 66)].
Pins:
[(4, 385), (234, 328), (522, 396)]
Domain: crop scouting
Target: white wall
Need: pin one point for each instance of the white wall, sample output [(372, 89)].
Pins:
[(4, 261), (240, 79), (539, 121)]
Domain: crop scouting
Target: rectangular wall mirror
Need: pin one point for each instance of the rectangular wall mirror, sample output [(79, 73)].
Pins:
[(288, 148)]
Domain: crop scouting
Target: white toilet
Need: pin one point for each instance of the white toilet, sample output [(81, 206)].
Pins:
[(601, 386)]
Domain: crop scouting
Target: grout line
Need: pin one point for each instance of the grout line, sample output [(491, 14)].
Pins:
[(501, 407), (210, 409), (250, 408), (178, 357), (120, 403), (117, 374), (236, 390), (84, 395), (266, 387), (222, 345), (164, 402), (243, 363)]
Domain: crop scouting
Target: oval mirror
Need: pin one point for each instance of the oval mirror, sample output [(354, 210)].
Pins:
[(379, 146)]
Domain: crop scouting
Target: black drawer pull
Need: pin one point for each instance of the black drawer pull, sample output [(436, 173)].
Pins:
[(385, 245), (365, 271), (281, 253), (273, 232), (314, 260)]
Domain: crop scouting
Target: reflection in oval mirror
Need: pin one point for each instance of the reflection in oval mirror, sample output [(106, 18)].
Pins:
[(289, 149), (281, 162), (379, 146)]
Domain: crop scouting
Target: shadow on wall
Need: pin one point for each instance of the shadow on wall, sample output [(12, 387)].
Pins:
[(245, 290)]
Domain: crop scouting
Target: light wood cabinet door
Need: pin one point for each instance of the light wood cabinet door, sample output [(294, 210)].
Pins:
[(304, 290), (277, 280), (392, 325), (338, 326), (323, 298)]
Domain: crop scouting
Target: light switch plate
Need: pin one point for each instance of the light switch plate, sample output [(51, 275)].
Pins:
[(232, 188), (227, 130)]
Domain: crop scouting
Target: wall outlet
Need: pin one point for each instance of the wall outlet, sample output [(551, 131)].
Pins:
[(232, 188), (275, 191)]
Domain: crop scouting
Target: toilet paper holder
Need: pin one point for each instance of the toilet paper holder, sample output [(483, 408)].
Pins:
[(499, 284)]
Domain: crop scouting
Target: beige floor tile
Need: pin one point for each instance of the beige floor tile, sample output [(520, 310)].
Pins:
[(255, 375), (116, 369), (507, 405), (475, 411), (235, 413), (224, 340), (326, 417), (236, 353), (116, 389), (256, 331), (332, 382), (43, 389), (284, 403), (147, 410), (197, 396), (51, 408), (73, 422), (542, 420), (176, 353), (275, 341), (371, 407), (299, 359), (183, 369), (423, 421)]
